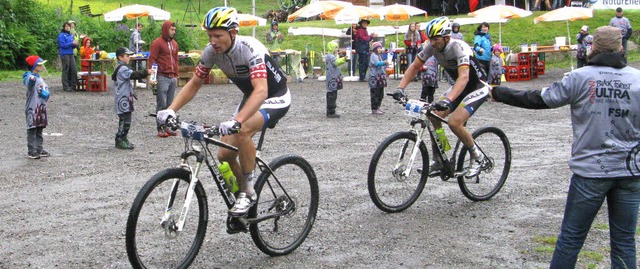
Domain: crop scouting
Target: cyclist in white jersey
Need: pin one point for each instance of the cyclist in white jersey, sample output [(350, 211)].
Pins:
[(467, 93), (247, 63)]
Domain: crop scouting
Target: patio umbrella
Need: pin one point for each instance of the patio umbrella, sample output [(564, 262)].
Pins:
[(499, 12), (350, 16), (137, 11), (399, 12), (566, 14), (319, 8), (251, 20)]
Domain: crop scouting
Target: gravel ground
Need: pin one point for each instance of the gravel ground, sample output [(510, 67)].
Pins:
[(70, 210)]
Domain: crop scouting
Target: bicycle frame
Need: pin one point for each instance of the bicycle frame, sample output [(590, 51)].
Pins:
[(197, 141), (423, 120)]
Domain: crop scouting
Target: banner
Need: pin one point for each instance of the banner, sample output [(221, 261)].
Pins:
[(613, 4)]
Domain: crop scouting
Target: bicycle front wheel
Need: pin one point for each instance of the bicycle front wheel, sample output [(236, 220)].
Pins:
[(287, 205), (496, 147), (394, 181), (152, 238)]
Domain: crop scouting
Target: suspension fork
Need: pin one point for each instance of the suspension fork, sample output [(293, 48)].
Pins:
[(190, 191)]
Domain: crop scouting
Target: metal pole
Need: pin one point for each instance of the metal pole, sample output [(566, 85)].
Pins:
[(253, 9)]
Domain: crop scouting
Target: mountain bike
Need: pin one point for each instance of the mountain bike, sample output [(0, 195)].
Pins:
[(399, 168), (168, 219)]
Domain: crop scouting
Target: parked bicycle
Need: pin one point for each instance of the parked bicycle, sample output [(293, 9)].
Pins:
[(399, 167), (168, 219)]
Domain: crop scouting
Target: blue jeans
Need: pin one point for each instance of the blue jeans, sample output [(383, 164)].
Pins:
[(583, 202)]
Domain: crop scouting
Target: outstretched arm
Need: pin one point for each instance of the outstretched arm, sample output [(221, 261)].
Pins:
[(524, 99)]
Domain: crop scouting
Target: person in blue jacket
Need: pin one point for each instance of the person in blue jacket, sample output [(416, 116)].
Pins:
[(482, 46), (66, 45)]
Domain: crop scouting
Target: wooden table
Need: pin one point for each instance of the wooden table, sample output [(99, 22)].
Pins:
[(102, 75)]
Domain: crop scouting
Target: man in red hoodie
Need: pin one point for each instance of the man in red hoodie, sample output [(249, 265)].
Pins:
[(164, 53)]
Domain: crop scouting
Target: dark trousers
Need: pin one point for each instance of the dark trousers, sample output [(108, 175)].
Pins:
[(35, 140), (332, 97), (427, 94), (124, 124), (69, 72), (363, 64), (376, 97)]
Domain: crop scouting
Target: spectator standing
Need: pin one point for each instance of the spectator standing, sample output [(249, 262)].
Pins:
[(332, 61), (429, 79), (482, 45), (455, 31), (603, 159), (164, 53), (124, 95), (362, 47), (585, 40), (377, 78), (495, 70), (135, 41), (537, 5), (73, 32), (354, 56), (412, 40), (86, 52), (66, 45), (624, 25), (36, 106), (274, 37)]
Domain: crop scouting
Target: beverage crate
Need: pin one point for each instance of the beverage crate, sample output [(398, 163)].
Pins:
[(524, 72), (511, 73), (540, 68)]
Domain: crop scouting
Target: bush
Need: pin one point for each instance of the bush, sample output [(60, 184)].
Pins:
[(28, 27)]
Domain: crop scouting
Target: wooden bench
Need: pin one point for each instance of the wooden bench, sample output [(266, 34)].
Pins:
[(86, 10)]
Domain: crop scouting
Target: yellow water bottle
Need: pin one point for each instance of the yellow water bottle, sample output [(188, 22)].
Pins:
[(229, 178), (443, 139)]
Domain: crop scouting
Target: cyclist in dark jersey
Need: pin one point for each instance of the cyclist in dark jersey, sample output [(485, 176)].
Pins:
[(247, 63), (467, 93)]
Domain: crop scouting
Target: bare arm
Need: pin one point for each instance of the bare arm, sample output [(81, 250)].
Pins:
[(411, 72)]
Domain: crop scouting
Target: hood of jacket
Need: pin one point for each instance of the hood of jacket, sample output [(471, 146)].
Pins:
[(612, 59), (165, 30)]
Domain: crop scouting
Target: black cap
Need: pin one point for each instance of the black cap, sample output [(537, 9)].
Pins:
[(619, 9), (123, 50), (364, 20)]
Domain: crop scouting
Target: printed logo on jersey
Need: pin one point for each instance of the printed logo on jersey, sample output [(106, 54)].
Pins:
[(276, 75), (592, 91)]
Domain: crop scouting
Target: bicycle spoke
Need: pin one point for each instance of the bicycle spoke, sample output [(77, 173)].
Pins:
[(489, 181)]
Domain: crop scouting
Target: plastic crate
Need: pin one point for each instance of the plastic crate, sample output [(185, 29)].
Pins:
[(540, 68), (523, 59), (510, 73), (524, 73), (93, 84)]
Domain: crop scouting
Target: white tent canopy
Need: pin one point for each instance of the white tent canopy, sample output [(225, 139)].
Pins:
[(136, 11)]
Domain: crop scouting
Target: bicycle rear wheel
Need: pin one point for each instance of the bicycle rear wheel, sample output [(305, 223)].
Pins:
[(288, 200), (152, 244), (495, 145), (389, 189)]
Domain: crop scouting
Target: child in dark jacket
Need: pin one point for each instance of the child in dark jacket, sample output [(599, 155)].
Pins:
[(334, 77), (377, 78), (36, 106), (124, 95), (495, 69)]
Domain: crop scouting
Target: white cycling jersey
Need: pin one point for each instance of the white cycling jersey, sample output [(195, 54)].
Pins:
[(247, 59)]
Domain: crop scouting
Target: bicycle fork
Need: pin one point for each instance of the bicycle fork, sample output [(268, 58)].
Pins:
[(168, 220)]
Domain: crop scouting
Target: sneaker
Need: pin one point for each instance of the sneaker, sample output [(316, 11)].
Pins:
[(44, 153), (435, 167), (34, 155), (163, 134), (243, 203), (123, 144), (377, 112), (333, 116), (476, 166)]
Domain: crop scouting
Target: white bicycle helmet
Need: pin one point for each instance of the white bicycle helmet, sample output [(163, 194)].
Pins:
[(221, 17)]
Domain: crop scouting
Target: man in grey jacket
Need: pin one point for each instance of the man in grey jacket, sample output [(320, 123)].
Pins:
[(605, 111)]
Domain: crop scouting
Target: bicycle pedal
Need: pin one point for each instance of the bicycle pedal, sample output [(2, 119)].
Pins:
[(236, 225)]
